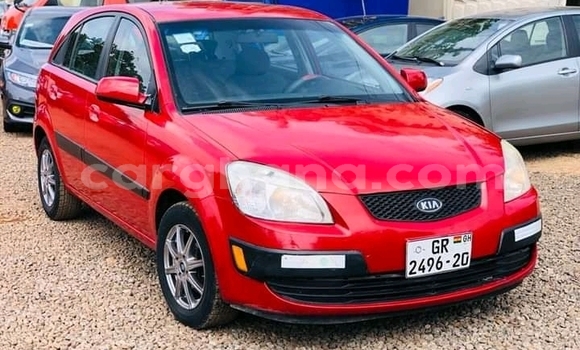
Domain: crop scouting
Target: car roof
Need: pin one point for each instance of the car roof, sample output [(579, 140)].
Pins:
[(361, 23), (526, 12), (173, 11), (387, 17)]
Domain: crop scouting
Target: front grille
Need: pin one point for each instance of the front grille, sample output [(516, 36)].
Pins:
[(392, 287), (402, 206)]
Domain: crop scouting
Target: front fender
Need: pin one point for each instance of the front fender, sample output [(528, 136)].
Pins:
[(199, 184)]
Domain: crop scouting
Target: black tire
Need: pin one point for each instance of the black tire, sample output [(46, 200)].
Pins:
[(9, 127), (210, 310), (65, 205)]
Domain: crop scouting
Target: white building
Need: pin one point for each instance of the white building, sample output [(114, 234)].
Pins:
[(451, 9)]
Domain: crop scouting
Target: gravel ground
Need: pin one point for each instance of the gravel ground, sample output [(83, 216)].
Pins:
[(87, 285)]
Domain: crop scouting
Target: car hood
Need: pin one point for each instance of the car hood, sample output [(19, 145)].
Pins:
[(27, 61), (360, 149)]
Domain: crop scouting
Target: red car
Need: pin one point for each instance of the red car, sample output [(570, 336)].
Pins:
[(272, 176)]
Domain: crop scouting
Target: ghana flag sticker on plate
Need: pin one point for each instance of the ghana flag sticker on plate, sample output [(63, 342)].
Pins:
[(438, 255)]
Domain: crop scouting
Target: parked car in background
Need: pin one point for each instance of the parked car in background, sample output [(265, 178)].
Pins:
[(27, 53), (277, 188), (385, 33), (13, 16), (516, 72)]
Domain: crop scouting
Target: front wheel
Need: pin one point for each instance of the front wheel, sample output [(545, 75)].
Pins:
[(9, 127), (186, 271)]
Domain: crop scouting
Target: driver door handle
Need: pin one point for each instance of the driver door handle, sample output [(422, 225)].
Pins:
[(567, 71)]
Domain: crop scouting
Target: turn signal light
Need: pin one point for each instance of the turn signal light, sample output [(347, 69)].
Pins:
[(239, 258)]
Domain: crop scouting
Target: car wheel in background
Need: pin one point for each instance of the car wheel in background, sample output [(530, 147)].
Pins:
[(186, 271), (9, 127)]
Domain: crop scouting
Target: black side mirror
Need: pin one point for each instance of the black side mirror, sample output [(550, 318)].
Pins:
[(17, 5), (5, 43)]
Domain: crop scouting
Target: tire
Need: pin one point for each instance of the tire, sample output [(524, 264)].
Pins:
[(9, 127), (198, 310), (61, 205)]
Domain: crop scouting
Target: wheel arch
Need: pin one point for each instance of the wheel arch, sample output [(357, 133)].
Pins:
[(467, 112), (38, 134)]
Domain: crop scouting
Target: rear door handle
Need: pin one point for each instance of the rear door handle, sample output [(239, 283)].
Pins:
[(567, 71)]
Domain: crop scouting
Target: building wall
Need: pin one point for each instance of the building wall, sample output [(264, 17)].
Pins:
[(451, 9)]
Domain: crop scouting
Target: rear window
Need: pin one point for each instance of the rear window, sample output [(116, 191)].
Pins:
[(40, 32)]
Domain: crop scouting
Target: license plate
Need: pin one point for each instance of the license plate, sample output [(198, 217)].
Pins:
[(437, 255)]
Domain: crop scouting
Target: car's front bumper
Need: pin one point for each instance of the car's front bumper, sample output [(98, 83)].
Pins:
[(18, 104), (372, 283)]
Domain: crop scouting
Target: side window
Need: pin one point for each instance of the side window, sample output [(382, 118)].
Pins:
[(576, 20), (387, 38), (422, 27), (536, 42), (85, 55), (63, 55), (128, 56)]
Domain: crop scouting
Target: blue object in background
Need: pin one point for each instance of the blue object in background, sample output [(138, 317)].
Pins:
[(345, 8)]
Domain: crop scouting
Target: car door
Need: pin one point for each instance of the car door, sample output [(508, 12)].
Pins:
[(77, 58), (576, 39), (542, 96), (116, 134), (386, 37)]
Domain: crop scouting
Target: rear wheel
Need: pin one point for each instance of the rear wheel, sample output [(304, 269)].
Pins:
[(186, 271), (57, 202)]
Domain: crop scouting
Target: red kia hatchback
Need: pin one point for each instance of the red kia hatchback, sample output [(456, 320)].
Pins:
[(277, 165)]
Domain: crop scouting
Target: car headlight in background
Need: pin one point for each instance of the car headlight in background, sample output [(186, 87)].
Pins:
[(516, 177), (432, 85), (22, 79), (268, 193)]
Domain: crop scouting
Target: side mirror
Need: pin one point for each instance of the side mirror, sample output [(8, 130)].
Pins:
[(19, 6), (416, 78), (508, 62), (5, 43), (121, 90)]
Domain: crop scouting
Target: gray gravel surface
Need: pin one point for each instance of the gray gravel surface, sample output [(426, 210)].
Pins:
[(85, 284)]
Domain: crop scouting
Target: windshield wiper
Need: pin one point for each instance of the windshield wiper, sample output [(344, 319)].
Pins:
[(227, 105), (415, 59), (335, 99), (429, 60)]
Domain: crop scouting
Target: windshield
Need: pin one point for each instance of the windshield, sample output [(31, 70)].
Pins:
[(453, 41), (40, 32), (273, 60)]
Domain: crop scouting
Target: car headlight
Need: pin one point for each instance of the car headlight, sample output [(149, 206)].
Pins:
[(268, 193), (516, 177), (22, 79)]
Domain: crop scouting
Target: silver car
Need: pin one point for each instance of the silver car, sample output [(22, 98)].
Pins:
[(516, 72)]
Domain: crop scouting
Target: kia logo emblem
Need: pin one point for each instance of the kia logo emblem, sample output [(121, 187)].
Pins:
[(429, 205)]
